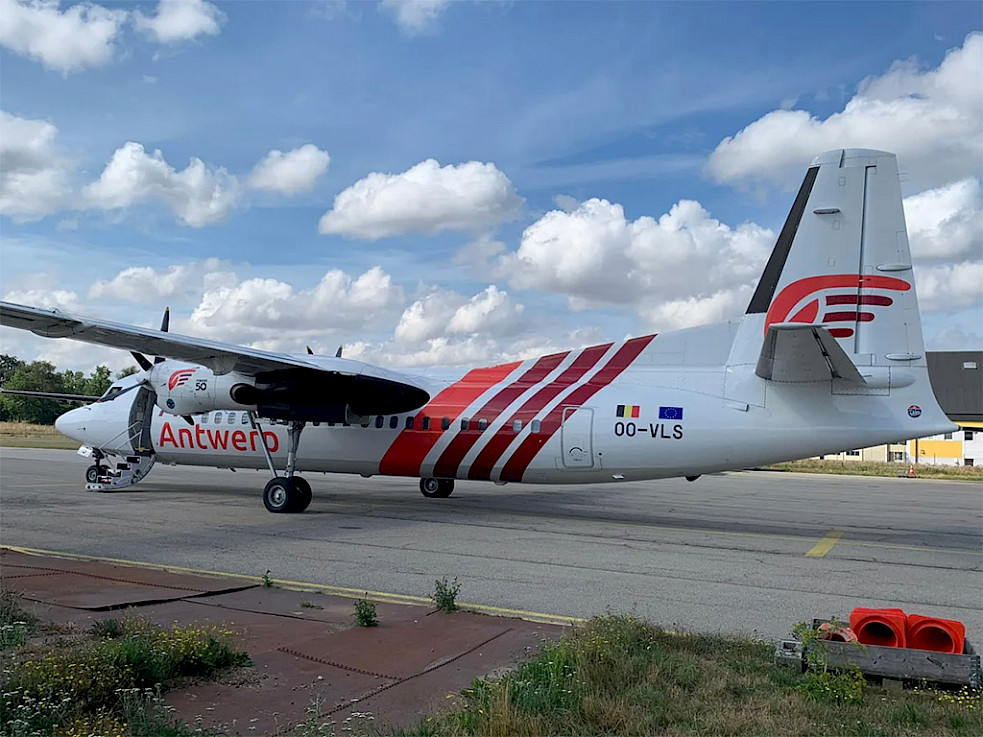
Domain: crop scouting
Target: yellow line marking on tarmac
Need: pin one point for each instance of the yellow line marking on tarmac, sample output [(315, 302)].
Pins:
[(347, 592), (822, 547)]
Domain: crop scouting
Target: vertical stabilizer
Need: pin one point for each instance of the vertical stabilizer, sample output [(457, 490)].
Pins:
[(842, 261)]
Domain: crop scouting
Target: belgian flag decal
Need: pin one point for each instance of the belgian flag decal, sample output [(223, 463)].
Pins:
[(628, 410)]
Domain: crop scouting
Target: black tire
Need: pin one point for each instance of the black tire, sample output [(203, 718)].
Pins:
[(436, 488), (92, 474), (280, 495), (304, 494)]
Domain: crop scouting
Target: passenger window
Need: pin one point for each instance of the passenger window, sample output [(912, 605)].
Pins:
[(409, 423), (393, 422), (218, 418), (232, 418), (482, 424), (517, 425), (534, 426), (204, 419), (464, 423), (445, 423), (379, 421), (425, 425), (245, 418)]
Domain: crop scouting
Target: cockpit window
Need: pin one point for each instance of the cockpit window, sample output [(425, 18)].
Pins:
[(111, 393)]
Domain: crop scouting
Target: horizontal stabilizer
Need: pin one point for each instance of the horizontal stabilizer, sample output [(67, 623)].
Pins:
[(796, 352)]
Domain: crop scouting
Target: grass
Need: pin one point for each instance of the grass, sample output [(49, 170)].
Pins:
[(24, 435), (872, 468), (619, 676), (109, 682)]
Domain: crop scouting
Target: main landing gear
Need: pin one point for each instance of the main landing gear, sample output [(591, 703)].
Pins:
[(436, 488), (287, 493)]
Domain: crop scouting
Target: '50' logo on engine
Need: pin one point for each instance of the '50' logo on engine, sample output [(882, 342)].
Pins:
[(179, 378)]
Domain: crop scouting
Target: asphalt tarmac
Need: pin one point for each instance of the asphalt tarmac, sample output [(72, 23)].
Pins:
[(749, 552)]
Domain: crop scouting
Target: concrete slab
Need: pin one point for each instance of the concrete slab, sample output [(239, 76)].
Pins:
[(303, 656)]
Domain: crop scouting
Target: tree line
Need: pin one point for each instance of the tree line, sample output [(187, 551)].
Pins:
[(41, 376)]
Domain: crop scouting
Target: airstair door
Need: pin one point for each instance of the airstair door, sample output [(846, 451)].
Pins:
[(576, 437)]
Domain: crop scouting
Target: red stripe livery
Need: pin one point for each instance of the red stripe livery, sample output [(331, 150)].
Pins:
[(405, 456)]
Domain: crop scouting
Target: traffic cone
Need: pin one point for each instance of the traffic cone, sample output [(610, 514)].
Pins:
[(935, 633), (911, 472), (885, 627)]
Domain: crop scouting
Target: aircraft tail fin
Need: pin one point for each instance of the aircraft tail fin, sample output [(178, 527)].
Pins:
[(842, 261)]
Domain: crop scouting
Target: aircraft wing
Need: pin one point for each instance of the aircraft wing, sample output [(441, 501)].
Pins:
[(798, 352), (221, 358)]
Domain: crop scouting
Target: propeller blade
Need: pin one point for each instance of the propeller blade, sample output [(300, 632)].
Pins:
[(338, 352), (165, 323), (189, 419), (309, 351), (142, 360)]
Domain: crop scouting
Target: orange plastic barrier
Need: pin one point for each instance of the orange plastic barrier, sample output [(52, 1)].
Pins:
[(836, 634), (884, 627), (933, 633)]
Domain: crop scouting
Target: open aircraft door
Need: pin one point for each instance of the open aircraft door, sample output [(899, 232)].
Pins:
[(576, 437)]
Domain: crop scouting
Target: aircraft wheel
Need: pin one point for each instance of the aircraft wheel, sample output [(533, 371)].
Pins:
[(436, 488), (280, 495), (304, 494), (93, 472)]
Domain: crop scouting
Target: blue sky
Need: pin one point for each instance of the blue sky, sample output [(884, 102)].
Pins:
[(552, 122)]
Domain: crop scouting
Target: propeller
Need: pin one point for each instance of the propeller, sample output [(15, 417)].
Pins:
[(165, 323), (146, 365)]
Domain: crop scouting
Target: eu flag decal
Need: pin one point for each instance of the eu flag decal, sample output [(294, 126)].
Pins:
[(670, 413), (628, 410)]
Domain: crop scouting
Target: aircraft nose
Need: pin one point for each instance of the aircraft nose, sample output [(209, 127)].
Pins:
[(72, 423)]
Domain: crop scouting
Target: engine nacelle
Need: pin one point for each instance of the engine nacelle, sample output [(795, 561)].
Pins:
[(188, 389)]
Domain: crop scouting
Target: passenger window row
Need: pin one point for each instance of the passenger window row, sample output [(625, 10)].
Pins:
[(410, 423)]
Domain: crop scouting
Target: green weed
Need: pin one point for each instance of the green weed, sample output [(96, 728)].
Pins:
[(445, 594), (365, 613)]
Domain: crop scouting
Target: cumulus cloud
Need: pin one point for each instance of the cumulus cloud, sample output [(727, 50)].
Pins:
[(33, 175), (427, 198), (291, 172), (415, 16), (198, 195), (478, 253), (946, 222), (491, 313), (931, 119), (148, 285), (48, 299), (81, 36), (275, 312), (180, 20), (678, 269), (949, 286)]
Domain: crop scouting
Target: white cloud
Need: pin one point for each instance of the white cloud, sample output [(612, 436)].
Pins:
[(291, 172), (949, 286), (33, 176), (198, 195), (954, 338), (180, 20), (931, 119), (147, 285), (682, 260), (81, 36), (276, 313), (478, 253), (415, 16), (427, 198), (491, 313), (946, 222), (48, 299)]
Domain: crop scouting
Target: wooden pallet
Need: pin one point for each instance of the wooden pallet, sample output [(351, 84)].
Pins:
[(891, 663)]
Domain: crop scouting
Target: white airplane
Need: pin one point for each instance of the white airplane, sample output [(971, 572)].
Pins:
[(829, 355)]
